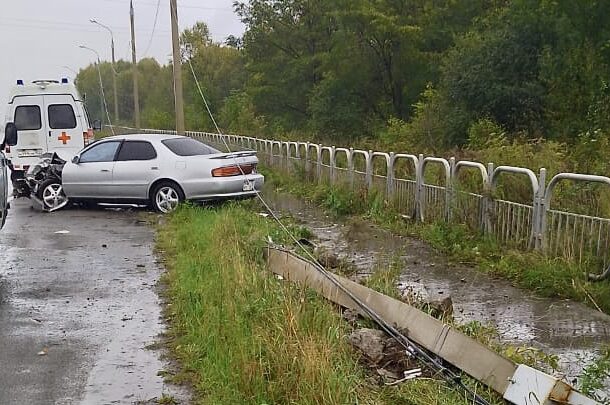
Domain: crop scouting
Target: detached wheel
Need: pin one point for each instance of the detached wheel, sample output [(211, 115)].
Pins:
[(166, 196), (52, 195)]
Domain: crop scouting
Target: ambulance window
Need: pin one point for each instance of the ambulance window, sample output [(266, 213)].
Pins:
[(61, 116), (27, 117)]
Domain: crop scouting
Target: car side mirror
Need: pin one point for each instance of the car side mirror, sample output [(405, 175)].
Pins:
[(10, 134), (97, 125), (76, 159)]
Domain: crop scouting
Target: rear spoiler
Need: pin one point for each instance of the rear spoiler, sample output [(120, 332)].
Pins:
[(233, 155)]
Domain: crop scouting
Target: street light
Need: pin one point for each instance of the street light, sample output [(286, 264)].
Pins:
[(99, 73), (116, 100)]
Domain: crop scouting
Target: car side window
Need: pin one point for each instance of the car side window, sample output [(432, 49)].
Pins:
[(102, 152), (136, 150), (27, 118)]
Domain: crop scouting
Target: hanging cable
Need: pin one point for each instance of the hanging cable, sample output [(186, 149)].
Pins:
[(434, 363), (152, 34), (105, 105)]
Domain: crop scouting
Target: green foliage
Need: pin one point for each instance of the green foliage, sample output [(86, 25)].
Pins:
[(417, 76), (595, 377), (286, 345), (238, 116), (243, 336)]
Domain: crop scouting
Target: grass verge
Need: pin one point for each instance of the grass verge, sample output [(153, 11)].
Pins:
[(549, 277), (243, 336)]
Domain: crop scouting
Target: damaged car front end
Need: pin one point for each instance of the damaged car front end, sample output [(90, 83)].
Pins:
[(44, 182)]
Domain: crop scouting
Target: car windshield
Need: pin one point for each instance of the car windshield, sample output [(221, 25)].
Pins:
[(188, 147)]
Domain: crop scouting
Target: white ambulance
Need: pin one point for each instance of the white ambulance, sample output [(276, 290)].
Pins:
[(50, 117)]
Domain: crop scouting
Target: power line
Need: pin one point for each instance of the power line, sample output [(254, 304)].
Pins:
[(142, 3), (152, 34), (62, 25)]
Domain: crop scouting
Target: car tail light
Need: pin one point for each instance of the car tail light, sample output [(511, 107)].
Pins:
[(235, 170)]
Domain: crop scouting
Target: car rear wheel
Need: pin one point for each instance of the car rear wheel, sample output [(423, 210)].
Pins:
[(52, 195), (166, 196)]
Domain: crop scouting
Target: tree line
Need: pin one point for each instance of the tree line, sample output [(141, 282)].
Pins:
[(428, 74)]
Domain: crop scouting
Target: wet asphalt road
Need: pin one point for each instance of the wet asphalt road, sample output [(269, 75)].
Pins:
[(78, 308)]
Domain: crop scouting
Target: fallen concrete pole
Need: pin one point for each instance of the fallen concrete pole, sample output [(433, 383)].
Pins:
[(519, 384)]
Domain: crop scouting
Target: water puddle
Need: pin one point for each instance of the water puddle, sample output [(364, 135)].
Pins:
[(568, 329)]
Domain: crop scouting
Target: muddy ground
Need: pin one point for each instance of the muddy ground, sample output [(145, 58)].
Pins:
[(568, 329), (78, 308)]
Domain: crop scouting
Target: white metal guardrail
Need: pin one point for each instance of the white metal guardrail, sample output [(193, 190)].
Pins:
[(535, 225)]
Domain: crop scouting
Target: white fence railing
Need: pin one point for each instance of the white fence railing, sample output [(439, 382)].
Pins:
[(534, 225)]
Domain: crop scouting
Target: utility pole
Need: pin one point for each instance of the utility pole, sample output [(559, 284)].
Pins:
[(178, 100), (136, 98), (114, 72)]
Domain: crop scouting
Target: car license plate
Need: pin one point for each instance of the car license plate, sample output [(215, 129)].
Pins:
[(248, 185), (29, 153)]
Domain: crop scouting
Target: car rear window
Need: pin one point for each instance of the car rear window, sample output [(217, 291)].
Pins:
[(27, 117), (61, 116), (136, 150), (188, 147)]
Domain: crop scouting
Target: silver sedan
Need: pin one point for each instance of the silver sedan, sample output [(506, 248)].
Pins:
[(159, 170)]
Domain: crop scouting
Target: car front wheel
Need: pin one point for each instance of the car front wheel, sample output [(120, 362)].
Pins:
[(166, 196), (51, 193)]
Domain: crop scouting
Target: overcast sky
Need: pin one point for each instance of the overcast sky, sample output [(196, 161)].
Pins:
[(39, 39)]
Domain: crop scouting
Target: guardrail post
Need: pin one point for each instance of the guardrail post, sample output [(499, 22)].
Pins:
[(287, 144), (350, 168), (319, 163), (488, 201), (333, 151), (419, 195), (450, 201), (307, 157), (369, 171), (390, 176), (541, 208), (271, 154)]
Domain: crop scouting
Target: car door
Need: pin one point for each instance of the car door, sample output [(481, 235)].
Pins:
[(136, 167), (91, 175), (65, 132)]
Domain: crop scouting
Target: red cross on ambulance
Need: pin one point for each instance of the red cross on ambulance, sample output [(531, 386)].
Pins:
[(64, 138)]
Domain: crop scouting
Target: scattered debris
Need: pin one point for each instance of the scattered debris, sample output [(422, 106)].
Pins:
[(440, 305), (350, 315), (408, 375), (306, 242), (327, 259), (388, 375), (63, 232), (436, 303), (371, 342), (43, 352), (263, 214)]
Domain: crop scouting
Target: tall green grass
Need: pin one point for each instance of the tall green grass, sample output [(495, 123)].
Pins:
[(244, 337)]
